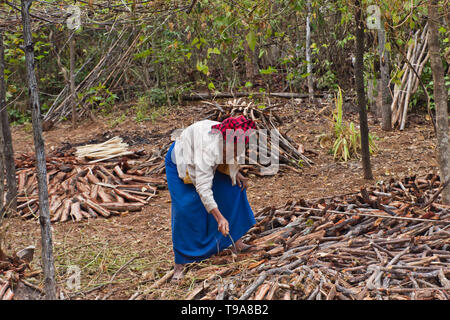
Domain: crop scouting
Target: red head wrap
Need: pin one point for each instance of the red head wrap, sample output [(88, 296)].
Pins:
[(235, 128)]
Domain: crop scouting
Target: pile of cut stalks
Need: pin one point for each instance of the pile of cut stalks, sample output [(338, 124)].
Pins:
[(389, 241)]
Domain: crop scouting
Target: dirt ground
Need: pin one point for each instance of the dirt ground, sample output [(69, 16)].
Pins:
[(121, 256)]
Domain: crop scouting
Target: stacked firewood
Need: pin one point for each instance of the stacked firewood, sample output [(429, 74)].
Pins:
[(417, 57), (155, 164), (289, 155), (390, 241), (79, 189), (12, 269)]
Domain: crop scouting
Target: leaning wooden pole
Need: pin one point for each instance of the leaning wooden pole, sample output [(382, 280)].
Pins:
[(72, 82), (308, 51), (359, 79), (386, 114), (44, 214)]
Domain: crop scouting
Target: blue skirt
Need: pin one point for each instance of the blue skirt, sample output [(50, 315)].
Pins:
[(195, 235)]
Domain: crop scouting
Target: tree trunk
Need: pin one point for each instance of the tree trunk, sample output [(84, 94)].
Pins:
[(440, 98), (308, 50), (385, 77), (44, 214), (359, 80), (2, 105), (2, 177), (7, 150)]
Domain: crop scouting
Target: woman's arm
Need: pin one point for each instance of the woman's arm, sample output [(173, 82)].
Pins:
[(223, 226), (241, 181), (202, 180)]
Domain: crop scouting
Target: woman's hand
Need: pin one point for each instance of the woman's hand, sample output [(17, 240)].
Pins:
[(241, 181), (222, 223)]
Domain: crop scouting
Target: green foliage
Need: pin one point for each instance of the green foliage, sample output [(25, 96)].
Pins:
[(115, 121), (157, 97), (151, 106), (99, 98), (208, 48), (347, 139), (418, 99), (18, 117), (268, 71)]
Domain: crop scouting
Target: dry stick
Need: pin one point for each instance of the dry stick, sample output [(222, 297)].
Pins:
[(421, 61), (32, 286), (397, 257), (87, 81), (416, 58), (117, 272), (166, 277), (443, 280), (405, 104), (378, 216), (406, 101), (437, 193), (110, 282), (399, 93), (422, 85), (253, 286)]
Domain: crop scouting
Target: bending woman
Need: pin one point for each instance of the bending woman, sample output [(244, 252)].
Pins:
[(210, 209)]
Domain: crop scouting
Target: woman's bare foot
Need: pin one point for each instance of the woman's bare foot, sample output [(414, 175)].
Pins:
[(178, 273)]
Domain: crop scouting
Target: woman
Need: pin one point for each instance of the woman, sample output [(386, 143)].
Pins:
[(210, 210)]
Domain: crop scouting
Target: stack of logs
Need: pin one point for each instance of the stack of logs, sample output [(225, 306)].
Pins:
[(12, 269), (155, 164), (79, 190), (390, 241)]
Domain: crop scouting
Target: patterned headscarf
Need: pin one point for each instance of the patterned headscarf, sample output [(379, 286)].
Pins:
[(235, 128)]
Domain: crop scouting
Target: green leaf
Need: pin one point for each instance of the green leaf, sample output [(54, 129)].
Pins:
[(387, 46), (251, 40), (211, 50), (211, 86), (261, 53), (305, 75), (248, 84), (269, 70), (202, 67)]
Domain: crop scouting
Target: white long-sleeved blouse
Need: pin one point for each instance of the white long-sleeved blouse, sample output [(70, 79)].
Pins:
[(198, 152)]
